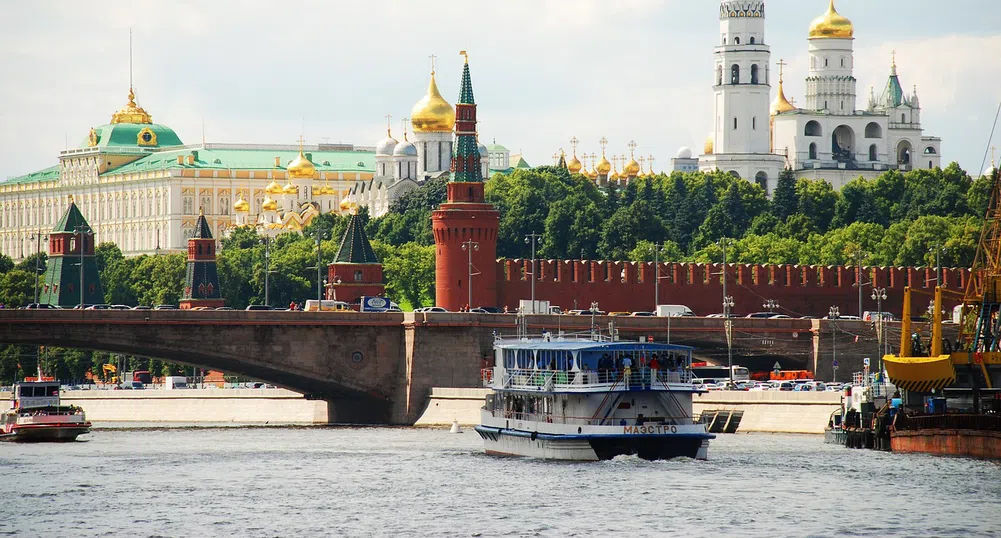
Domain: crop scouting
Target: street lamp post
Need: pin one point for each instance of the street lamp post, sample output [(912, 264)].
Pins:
[(38, 255), (532, 238), (833, 314), (81, 231), (938, 250), (469, 246), (594, 308), (319, 273), (858, 278), (728, 324), (771, 305), (879, 295)]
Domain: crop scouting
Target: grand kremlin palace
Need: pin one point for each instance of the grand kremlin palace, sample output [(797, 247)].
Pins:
[(141, 188)]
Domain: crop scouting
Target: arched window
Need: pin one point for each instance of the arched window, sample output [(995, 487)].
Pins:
[(873, 130), (761, 179), (752, 40), (903, 118), (873, 153), (754, 73), (358, 276), (736, 41), (842, 105), (930, 151), (813, 129), (719, 75), (813, 62), (754, 123), (724, 40), (734, 174), (842, 62), (734, 74), (813, 150), (734, 123), (929, 165)]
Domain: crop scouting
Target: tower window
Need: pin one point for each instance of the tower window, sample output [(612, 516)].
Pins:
[(825, 62), (842, 62), (719, 75), (736, 41), (734, 74), (754, 123), (754, 74), (735, 123), (813, 150), (903, 118), (752, 40), (724, 40)]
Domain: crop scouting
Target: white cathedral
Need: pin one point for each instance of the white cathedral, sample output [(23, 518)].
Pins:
[(828, 138)]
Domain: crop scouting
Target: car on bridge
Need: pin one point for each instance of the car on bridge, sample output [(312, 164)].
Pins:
[(259, 307), (430, 309), (165, 307), (41, 306)]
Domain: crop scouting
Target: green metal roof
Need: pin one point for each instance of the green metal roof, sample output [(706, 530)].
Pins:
[(355, 247), (893, 95), (520, 163), (127, 135), (496, 147), (70, 220), (202, 230), (249, 159), (47, 174)]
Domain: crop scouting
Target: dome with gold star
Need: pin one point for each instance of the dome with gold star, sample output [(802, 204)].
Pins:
[(432, 113), (831, 25), (300, 168)]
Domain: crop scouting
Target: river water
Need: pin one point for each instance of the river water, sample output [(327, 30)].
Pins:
[(307, 482)]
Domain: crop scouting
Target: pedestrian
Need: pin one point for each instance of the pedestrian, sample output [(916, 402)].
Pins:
[(654, 366), (627, 364), (505, 309), (291, 305)]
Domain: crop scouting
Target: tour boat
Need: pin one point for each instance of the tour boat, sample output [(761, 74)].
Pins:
[(38, 416), (584, 399)]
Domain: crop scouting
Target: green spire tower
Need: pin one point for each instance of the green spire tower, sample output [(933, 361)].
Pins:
[(201, 281), (466, 154), (71, 247)]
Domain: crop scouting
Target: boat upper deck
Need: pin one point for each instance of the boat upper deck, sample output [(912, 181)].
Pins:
[(588, 365)]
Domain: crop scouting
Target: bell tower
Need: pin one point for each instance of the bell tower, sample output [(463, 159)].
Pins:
[(201, 280), (465, 226), (742, 82)]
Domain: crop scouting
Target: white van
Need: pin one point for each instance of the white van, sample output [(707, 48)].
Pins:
[(172, 382), (674, 311), (313, 305)]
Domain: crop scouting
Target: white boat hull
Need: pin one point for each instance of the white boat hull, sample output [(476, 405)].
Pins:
[(505, 442)]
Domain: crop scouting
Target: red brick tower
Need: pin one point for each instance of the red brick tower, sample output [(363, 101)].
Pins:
[(465, 227), (201, 281), (355, 271)]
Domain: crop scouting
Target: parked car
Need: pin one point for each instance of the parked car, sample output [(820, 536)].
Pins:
[(478, 311), (760, 315), (426, 309), (99, 307), (259, 307), (584, 313), (780, 316), (165, 307), (642, 314), (40, 306), (619, 314), (225, 308), (120, 307), (141, 307)]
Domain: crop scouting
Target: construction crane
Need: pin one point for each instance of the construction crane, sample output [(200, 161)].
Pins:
[(110, 369), (977, 352)]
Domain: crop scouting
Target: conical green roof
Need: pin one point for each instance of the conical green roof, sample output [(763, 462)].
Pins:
[(355, 247), (70, 219), (466, 91), (202, 230)]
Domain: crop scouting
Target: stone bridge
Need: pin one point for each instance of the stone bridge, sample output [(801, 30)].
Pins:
[(379, 368)]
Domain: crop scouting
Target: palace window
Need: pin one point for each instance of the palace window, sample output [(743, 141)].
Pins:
[(188, 205)]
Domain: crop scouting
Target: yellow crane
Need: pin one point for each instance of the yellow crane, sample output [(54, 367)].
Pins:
[(977, 352), (110, 369)]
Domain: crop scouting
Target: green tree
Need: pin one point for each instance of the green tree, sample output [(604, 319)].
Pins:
[(572, 228), (644, 252), (728, 218), (817, 199), (785, 200), (628, 225), (409, 272)]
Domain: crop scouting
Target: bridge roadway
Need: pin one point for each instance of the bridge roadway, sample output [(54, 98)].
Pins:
[(379, 368)]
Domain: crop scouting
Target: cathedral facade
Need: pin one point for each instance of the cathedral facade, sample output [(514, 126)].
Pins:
[(830, 137)]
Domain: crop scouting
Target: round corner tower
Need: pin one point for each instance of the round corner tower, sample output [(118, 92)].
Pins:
[(465, 226)]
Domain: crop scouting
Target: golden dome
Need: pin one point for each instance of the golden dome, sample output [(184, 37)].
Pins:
[(831, 25), (290, 189), (273, 188), (632, 168), (574, 164), (131, 112), (432, 113), (603, 167), (781, 104), (269, 204), (708, 148), (327, 190), (593, 174), (300, 168), (241, 206)]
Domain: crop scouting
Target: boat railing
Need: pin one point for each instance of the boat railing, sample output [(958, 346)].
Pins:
[(631, 420), (545, 379), (956, 421)]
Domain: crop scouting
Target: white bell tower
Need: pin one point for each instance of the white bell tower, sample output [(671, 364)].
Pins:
[(742, 79)]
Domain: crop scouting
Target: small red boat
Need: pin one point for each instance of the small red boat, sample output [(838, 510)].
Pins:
[(37, 415)]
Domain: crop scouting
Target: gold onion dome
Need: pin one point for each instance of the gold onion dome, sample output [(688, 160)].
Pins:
[(241, 206), (290, 188), (574, 164), (273, 188), (603, 167), (831, 25), (300, 168), (632, 168), (327, 190), (593, 174), (781, 104), (432, 113), (131, 112), (269, 204)]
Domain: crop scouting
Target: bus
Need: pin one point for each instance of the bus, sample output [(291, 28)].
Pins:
[(720, 374)]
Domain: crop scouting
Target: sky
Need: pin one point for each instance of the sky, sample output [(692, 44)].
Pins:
[(543, 71)]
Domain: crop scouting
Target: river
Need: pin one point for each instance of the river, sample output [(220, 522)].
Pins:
[(316, 481)]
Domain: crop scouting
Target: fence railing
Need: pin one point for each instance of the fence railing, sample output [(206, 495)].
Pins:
[(957, 421), (636, 378)]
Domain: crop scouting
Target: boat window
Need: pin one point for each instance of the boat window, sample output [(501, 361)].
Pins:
[(53, 390)]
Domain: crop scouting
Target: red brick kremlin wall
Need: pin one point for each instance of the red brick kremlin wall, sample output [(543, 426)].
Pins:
[(799, 290)]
